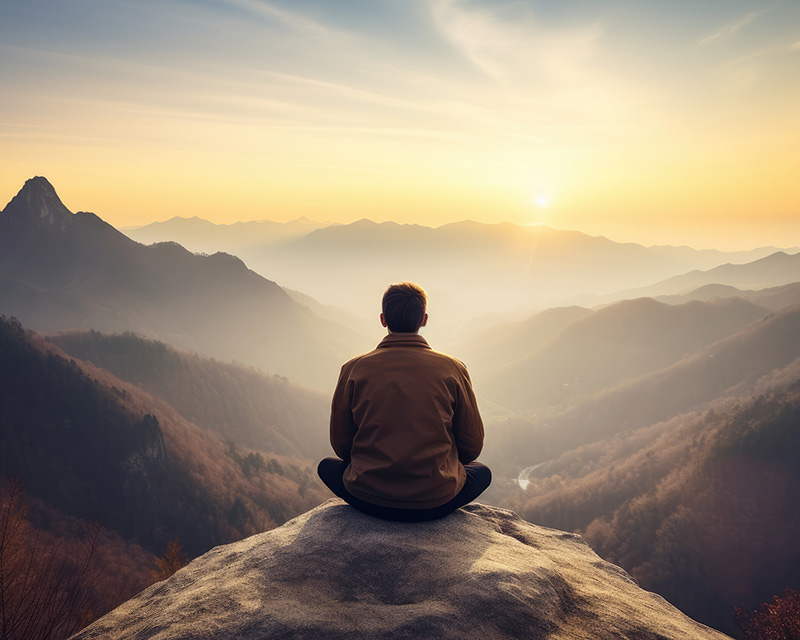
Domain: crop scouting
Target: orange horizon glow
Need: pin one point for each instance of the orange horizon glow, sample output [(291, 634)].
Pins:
[(672, 127)]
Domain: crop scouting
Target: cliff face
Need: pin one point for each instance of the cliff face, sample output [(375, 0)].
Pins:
[(335, 573)]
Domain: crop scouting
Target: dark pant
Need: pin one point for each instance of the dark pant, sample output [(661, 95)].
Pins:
[(479, 477)]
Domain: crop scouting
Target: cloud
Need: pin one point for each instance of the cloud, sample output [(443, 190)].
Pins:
[(730, 29), (510, 45), (287, 18)]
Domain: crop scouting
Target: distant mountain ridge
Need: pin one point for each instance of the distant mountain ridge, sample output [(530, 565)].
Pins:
[(60, 270), (774, 270), (202, 236), (599, 349), (774, 298), (468, 267)]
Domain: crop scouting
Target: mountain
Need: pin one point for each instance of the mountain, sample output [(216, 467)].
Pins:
[(492, 348), (469, 268), (773, 298), (335, 573), (94, 447), (701, 507), (60, 271), (79, 447), (487, 261), (202, 236), (777, 269), (685, 476), (238, 403), (625, 340), (728, 367)]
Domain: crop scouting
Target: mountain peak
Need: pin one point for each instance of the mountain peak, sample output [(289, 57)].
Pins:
[(335, 573), (38, 201)]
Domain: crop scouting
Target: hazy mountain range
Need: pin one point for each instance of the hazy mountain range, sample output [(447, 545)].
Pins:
[(700, 501), (98, 448), (238, 403), (599, 349), (776, 269), (60, 270), (686, 475), (664, 430), (469, 268), (202, 236)]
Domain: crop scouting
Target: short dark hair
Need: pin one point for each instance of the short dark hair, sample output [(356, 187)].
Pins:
[(404, 307)]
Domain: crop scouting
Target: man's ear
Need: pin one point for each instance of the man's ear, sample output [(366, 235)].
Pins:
[(383, 321), (424, 320)]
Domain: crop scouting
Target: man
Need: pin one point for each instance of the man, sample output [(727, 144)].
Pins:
[(405, 423)]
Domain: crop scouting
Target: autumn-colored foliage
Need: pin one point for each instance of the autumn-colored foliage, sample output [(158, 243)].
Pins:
[(701, 508), (46, 586), (58, 573), (776, 620), (172, 559), (238, 403), (103, 450), (89, 447)]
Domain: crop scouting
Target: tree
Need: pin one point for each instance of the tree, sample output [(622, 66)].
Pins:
[(46, 590), (778, 620), (172, 560)]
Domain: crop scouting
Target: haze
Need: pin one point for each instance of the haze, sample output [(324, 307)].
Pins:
[(665, 123), (600, 198)]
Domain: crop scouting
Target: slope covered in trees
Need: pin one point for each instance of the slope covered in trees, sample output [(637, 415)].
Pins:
[(237, 402), (597, 351), (88, 447), (58, 573), (699, 504)]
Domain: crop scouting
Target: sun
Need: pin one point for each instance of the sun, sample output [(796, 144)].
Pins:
[(540, 201)]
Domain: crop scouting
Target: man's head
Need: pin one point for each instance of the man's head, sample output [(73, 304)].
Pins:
[(404, 308)]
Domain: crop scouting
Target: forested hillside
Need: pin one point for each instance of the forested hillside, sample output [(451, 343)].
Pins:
[(237, 402), (599, 350), (687, 477), (700, 508), (87, 447)]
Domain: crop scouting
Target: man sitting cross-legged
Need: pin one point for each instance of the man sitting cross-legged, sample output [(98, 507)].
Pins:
[(405, 423)]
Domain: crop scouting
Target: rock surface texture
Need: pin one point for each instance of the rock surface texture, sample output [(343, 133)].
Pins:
[(335, 573)]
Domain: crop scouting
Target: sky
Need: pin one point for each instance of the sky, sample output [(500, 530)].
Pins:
[(646, 121)]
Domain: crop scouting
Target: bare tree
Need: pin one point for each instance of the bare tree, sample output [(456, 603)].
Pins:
[(46, 587)]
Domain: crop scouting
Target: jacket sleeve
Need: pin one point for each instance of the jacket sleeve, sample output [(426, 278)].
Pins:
[(343, 428), (467, 423)]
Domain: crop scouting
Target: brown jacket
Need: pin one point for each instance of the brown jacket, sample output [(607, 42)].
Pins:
[(405, 417)]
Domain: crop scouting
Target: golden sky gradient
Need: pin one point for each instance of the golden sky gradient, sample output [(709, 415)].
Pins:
[(668, 123)]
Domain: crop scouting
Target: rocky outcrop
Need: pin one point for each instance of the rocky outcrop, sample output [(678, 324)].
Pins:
[(335, 573)]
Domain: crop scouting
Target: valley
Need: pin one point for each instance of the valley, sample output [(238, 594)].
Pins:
[(175, 395)]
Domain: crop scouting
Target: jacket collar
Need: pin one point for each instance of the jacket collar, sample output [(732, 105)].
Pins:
[(404, 340)]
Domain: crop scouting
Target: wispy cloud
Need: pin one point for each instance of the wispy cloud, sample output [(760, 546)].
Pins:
[(510, 45), (730, 29), (287, 18)]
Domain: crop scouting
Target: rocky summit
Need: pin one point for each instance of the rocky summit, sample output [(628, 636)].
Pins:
[(335, 573)]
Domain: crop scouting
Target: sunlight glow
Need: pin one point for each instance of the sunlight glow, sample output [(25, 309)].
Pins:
[(315, 111), (541, 201)]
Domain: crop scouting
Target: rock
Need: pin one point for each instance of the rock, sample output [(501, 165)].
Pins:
[(335, 573)]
